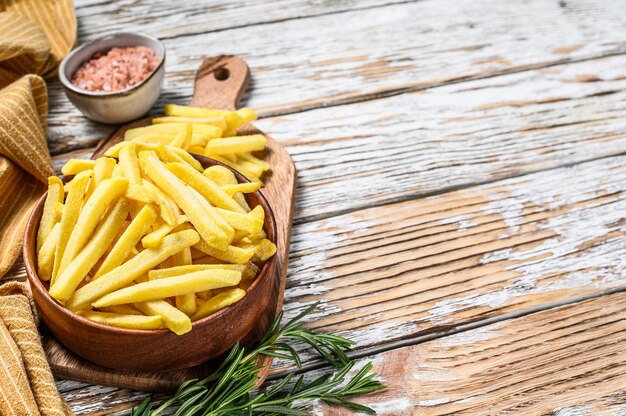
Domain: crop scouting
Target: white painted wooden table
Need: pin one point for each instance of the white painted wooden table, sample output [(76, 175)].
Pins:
[(460, 202)]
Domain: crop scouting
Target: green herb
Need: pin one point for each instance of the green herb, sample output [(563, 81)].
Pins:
[(230, 389)]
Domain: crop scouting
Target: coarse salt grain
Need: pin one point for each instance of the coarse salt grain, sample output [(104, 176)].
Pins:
[(118, 69)]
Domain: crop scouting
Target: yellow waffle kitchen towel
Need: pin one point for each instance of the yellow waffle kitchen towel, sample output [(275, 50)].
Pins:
[(34, 36), (26, 383)]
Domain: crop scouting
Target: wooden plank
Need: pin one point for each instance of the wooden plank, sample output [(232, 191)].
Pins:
[(564, 361), (449, 137), (369, 53), (394, 272), (166, 19)]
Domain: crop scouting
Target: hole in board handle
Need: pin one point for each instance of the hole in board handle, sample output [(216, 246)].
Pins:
[(221, 74)]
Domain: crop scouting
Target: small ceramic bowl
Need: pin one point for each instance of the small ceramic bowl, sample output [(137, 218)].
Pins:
[(159, 349), (119, 106)]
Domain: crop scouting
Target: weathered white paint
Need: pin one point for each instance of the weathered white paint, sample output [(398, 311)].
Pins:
[(368, 52), (354, 156)]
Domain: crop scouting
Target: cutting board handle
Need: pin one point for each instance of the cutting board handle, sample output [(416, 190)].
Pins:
[(220, 82)]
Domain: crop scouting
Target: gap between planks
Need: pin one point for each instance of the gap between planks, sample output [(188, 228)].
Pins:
[(557, 362), (445, 45), (436, 333)]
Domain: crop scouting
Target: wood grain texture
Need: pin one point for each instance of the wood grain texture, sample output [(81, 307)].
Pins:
[(368, 53), (396, 271), (205, 15), (453, 136), (566, 361)]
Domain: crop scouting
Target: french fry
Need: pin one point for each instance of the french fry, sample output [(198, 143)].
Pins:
[(232, 254), (78, 268), (214, 121), (142, 278), (125, 321), (153, 138), (218, 302), (206, 259), (205, 186), (174, 154), (108, 191), (171, 286), (133, 268), (156, 171), (166, 131), (103, 169), (249, 175), (214, 217), (50, 215), (190, 244), (253, 168), (199, 149), (247, 115), (167, 153), (250, 272), (122, 309), (173, 318), (183, 137), (45, 257), (187, 302), (234, 119), (75, 166), (250, 158), (130, 170), (154, 238), (220, 175), (223, 176), (244, 188), (190, 268), (206, 130), (174, 110), (168, 209), (71, 210), (264, 250), (245, 222), (129, 239), (236, 144)]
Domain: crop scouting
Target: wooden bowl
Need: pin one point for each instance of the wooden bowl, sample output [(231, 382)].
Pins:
[(156, 350)]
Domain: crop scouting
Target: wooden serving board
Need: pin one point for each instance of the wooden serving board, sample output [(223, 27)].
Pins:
[(220, 83)]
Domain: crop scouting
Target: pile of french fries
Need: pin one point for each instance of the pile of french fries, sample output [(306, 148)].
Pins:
[(208, 132), (145, 238)]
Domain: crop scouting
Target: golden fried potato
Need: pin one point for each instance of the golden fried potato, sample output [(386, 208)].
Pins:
[(172, 317), (218, 302), (133, 268), (176, 189), (171, 286), (108, 192), (128, 240), (77, 269), (50, 213), (75, 166), (125, 321), (73, 203), (45, 257)]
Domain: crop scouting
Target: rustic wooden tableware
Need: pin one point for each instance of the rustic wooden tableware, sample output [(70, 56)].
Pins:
[(142, 350), (220, 82)]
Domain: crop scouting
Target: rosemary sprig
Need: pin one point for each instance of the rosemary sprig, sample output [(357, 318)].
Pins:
[(230, 389)]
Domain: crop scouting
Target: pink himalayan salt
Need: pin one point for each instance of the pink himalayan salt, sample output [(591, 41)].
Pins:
[(118, 69)]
